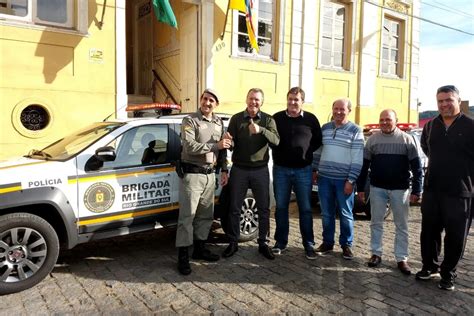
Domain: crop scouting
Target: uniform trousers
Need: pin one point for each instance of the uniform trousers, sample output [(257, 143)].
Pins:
[(196, 207)]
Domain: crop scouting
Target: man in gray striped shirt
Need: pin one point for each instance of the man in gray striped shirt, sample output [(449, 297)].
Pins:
[(337, 164), (390, 154)]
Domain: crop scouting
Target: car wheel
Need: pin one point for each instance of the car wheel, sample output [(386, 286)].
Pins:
[(29, 248), (248, 220)]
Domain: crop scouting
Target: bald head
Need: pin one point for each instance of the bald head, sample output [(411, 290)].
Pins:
[(388, 121)]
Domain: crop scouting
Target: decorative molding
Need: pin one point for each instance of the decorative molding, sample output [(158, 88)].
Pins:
[(399, 6)]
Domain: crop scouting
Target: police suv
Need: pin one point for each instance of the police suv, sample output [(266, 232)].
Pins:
[(111, 178)]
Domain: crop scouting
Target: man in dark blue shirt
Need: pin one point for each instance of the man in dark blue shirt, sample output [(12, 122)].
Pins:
[(300, 136)]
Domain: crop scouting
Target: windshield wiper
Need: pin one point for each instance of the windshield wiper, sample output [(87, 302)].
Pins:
[(35, 152)]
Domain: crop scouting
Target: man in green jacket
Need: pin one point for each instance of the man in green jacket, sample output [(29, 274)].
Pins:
[(252, 131)]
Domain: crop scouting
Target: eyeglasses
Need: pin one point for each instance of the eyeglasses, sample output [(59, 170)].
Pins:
[(447, 89)]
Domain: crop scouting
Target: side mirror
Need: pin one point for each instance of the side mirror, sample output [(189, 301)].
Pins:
[(105, 153)]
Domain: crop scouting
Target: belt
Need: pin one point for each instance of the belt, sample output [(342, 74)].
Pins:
[(190, 168)]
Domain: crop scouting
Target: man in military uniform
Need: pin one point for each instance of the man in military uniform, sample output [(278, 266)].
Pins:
[(204, 144)]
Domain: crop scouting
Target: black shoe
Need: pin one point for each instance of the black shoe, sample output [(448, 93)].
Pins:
[(266, 252), (374, 261), (183, 261), (446, 284), (278, 250), (426, 274), (202, 253), (347, 253), (310, 253), (230, 250)]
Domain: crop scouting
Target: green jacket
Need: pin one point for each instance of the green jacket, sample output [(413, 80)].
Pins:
[(252, 150)]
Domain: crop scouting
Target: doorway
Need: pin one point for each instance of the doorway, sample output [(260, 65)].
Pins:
[(171, 53)]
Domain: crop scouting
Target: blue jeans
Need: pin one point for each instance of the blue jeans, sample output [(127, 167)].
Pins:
[(300, 181), (332, 197), (399, 201)]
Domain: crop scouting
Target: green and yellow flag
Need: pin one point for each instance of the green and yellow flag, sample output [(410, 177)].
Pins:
[(164, 12)]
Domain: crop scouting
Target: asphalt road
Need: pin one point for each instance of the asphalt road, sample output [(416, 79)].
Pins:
[(137, 275)]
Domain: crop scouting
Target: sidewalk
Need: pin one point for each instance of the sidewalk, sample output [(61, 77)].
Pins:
[(137, 275)]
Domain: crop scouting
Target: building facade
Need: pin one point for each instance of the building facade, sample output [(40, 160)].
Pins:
[(67, 63)]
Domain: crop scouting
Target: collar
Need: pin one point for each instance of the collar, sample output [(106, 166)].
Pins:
[(203, 118), (395, 131), (336, 127), (440, 118), (300, 115), (247, 115)]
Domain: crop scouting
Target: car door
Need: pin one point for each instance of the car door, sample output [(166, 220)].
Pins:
[(137, 188)]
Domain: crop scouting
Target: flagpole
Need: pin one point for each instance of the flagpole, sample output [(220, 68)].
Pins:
[(225, 21)]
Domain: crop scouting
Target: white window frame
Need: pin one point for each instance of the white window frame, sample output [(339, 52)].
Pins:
[(32, 19), (236, 33), (400, 39), (347, 49)]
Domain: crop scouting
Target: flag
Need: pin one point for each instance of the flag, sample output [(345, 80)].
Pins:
[(245, 6), (164, 12), (238, 5)]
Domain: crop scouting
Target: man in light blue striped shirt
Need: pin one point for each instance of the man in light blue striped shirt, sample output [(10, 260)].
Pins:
[(338, 163)]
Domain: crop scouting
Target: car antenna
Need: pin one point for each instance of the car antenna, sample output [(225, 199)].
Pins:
[(107, 117)]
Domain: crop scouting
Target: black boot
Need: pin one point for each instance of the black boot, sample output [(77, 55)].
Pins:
[(202, 253), (183, 261), (230, 250)]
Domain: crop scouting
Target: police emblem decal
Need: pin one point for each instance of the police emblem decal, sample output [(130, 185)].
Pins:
[(99, 197)]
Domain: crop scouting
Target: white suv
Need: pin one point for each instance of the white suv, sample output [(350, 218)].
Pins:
[(108, 179)]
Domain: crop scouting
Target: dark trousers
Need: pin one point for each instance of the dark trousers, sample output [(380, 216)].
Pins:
[(453, 214), (257, 179)]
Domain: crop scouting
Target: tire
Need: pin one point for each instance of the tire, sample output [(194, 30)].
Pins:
[(24, 264), (248, 220)]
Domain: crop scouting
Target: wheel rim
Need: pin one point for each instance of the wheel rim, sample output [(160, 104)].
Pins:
[(22, 253), (248, 217)]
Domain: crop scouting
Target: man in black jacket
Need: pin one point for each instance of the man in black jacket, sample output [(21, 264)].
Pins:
[(448, 141)]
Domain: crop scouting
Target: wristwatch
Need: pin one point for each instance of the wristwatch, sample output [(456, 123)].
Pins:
[(350, 181)]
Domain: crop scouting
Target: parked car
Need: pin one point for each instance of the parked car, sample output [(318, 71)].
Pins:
[(108, 179)]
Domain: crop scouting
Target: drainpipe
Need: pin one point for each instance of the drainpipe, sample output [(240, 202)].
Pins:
[(359, 66)]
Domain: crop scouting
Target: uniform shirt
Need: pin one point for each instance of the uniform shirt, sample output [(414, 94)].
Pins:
[(199, 138)]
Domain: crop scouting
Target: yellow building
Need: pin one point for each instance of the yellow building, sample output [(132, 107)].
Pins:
[(66, 63)]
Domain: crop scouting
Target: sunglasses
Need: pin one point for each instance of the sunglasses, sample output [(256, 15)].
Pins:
[(447, 89)]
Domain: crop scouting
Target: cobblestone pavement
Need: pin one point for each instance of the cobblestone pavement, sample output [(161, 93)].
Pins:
[(137, 275)]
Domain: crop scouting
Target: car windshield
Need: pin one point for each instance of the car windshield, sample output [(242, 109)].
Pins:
[(74, 143)]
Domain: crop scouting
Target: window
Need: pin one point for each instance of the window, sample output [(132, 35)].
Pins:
[(263, 17), (335, 35), (392, 47), (145, 145), (57, 13)]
